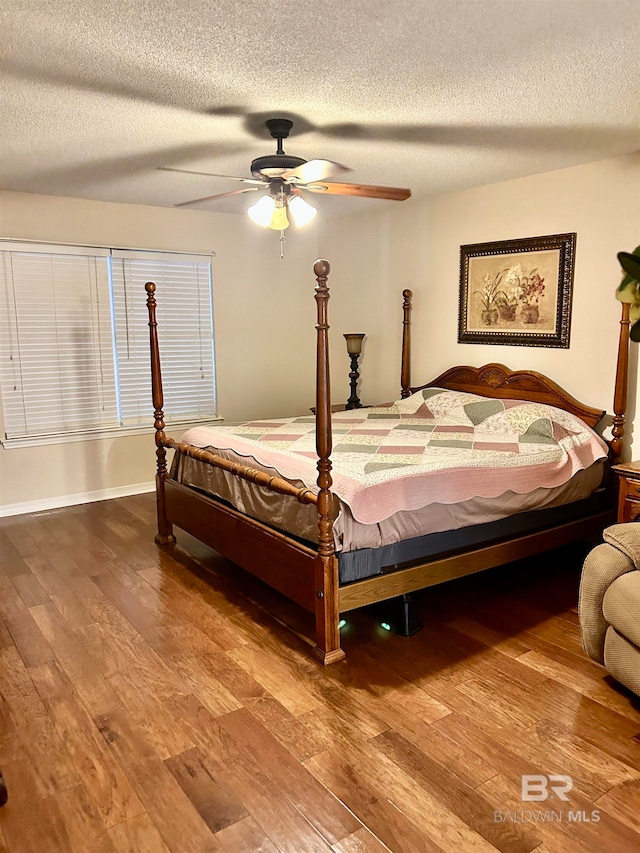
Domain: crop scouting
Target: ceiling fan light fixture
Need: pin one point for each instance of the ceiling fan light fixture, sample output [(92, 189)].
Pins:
[(301, 211), (279, 220), (262, 211)]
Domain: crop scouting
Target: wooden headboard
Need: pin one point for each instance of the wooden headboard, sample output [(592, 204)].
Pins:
[(496, 380)]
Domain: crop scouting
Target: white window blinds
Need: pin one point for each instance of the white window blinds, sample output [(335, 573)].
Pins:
[(74, 338), (185, 335), (56, 356)]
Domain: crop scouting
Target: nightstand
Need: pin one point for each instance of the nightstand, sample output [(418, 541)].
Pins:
[(629, 491)]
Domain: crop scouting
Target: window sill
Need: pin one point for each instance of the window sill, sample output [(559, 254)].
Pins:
[(98, 435)]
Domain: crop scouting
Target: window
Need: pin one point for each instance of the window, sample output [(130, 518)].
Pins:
[(74, 338), (185, 335)]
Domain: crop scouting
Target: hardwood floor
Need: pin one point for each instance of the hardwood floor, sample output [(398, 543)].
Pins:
[(155, 701)]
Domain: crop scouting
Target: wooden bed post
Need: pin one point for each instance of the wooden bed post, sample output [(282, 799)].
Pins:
[(405, 370), (327, 648), (622, 378), (165, 529)]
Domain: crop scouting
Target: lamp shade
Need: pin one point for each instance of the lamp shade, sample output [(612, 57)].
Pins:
[(301, 211), (279, 219), (262, 211), (354, 343)]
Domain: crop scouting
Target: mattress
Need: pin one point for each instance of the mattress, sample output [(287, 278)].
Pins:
[(437, 462), (301, 520), (436, 446)]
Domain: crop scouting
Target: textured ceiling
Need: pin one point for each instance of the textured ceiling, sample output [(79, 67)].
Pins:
[(435, 95)]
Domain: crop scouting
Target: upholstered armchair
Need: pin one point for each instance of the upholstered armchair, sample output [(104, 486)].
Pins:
[(609, 603)]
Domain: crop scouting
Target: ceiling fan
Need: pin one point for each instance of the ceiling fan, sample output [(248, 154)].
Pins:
[(286, 178)]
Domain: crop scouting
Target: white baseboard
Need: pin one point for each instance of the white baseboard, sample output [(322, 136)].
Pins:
[(74, 500)]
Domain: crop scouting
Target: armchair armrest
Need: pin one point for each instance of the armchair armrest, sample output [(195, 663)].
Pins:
[(626, 538), (619, 553)]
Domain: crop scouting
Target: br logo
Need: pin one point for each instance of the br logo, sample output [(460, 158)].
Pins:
[(538, 787)]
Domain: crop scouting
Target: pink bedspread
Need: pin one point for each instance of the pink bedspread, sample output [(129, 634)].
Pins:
[(433, 447)]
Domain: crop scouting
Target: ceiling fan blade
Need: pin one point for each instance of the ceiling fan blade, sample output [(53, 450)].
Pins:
[(362, 190), (315, 170), (209, 175), (213, 197)]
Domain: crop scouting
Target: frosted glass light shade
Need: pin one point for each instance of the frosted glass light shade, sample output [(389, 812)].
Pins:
[(262, 211), (279, 219), (301, 211)]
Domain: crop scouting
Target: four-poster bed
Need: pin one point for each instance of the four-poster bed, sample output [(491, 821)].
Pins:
[(309, 572)]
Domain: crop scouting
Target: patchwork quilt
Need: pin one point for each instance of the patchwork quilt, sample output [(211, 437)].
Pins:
[(436, 446)]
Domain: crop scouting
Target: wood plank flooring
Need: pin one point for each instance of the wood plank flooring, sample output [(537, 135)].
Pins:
[(165, 702)]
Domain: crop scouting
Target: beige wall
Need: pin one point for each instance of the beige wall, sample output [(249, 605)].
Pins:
[(264, 320), (265, 312), (417, 245), (373, 259)]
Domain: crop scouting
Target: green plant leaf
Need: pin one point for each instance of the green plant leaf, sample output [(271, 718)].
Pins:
[(635, 332), (630, 263), (627, 291), (629, 288)]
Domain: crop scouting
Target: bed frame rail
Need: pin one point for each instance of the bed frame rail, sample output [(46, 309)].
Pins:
[(440, 569), (244, 472)]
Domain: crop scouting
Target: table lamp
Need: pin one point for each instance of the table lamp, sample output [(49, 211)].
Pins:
[(354, 348)]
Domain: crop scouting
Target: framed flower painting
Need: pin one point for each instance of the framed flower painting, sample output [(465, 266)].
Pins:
[(517, 291)]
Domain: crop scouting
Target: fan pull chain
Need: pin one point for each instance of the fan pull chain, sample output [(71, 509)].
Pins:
[(283, 240)]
